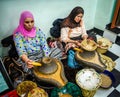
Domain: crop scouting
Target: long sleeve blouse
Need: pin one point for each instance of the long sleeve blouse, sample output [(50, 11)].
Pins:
[(75, 32), (27, 45)]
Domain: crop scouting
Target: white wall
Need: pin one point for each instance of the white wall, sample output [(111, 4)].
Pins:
[(98, 13), (104, 13), (44, 11)]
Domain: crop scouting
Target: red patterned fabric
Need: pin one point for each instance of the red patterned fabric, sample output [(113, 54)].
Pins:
[(12, 93)]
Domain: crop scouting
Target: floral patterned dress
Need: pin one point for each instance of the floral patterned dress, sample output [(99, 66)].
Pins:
[(35, 48)]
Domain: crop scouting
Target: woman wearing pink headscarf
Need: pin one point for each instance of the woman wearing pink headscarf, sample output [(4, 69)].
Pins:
[(31, 43)]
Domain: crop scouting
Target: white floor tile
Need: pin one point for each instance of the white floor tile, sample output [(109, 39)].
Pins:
[(118, 34), (110, 35), (118, 88), (117, 64), (115, 49), (103, 92)]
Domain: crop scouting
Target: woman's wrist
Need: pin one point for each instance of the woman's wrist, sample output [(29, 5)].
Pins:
[(26, 61), (25, 58), (85, 36)]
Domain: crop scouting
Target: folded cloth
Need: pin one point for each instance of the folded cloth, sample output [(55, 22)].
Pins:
[(71, 60)]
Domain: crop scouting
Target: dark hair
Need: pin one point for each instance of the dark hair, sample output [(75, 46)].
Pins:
[(77, 10), (69, 20)]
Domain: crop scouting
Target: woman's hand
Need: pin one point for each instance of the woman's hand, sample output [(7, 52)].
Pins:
[(27, 60), (81, 22), (85, 36), (78, 43), (29, 63)]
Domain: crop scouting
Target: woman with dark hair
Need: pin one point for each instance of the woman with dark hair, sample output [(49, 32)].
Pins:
[(73, 28)]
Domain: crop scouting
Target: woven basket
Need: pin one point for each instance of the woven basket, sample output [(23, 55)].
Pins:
[(24, 87), (103, 45), (102, 50), (37, 92), (88, 45), (110, 64), (85, 79)]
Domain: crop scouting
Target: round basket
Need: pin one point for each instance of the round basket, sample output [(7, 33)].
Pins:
[(89, 81), (101, 50), (108, 79), (37, 92), (103, 45), (88, 45), (24, 87)]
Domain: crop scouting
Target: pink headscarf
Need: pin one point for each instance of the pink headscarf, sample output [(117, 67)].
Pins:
[(21, 29)]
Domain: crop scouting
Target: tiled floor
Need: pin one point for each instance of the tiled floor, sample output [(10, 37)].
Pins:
[(114, 91)]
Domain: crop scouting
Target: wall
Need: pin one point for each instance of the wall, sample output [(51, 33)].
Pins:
[(45, 12), (104, 13), (97, 13)]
